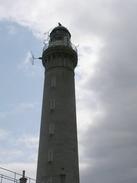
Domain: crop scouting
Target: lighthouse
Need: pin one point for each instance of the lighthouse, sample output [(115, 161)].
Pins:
[(58, 145)]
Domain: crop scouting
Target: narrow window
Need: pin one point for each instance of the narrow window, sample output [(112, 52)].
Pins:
[(51, 129), (52, 104), (53, 82), (50, 156), (66, 40), (62, 178)]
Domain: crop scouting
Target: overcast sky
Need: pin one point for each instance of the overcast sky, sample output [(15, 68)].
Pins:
[(106, 84)]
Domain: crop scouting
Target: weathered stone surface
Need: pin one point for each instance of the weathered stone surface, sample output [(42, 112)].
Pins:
[(58, 153)]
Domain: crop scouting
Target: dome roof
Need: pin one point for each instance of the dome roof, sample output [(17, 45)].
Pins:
[(60, 27)]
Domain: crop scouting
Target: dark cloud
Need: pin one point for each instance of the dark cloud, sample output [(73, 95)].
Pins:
[(113, 138)]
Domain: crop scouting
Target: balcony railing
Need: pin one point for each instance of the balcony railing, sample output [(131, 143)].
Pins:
[(59, 43)]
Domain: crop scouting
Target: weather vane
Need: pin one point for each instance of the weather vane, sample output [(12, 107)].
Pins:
[(32, 58)]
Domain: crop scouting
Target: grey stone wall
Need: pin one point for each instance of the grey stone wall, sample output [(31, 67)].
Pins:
[(58, 147)]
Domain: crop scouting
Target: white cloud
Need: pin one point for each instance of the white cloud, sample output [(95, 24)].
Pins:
[(18, 11)]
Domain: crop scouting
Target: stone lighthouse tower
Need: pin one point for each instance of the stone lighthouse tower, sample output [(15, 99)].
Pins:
[(58, 148)]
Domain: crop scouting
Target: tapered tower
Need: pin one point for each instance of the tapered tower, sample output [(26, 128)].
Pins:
[(58, 148)]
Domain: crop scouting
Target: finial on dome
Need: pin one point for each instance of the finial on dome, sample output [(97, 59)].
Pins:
[(59, 24)]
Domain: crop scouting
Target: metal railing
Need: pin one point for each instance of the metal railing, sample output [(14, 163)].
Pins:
[(8, 176), (59, 43)]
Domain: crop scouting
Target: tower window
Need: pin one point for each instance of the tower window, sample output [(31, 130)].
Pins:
[(52, 104), (51, 129), (50, 156), (66, 40), (53, 82), (62, 178)]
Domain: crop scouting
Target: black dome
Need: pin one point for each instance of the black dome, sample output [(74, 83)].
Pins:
[(60, 28)]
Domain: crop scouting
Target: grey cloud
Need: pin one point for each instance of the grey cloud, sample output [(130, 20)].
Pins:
[(113, 138)]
